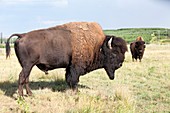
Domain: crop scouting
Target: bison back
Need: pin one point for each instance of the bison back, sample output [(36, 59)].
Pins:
[(86, 40)]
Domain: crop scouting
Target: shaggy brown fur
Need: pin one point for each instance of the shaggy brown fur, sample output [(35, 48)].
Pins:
[(87, 38)]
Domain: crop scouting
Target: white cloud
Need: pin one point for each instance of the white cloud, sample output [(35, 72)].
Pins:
[(48, 22), (58, 3), (14, 2), (55, 22)]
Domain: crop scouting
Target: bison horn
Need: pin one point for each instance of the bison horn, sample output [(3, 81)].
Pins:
[(109, 43)]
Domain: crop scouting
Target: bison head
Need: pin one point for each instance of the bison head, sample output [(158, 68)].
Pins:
[(114, 49), (140, 47)]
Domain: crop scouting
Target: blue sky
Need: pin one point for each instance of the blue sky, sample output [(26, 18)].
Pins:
[(18, 16)]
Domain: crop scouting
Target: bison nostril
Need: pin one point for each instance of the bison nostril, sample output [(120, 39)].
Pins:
[(120, 64)]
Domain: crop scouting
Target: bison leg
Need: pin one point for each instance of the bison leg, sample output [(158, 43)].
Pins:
[(21, 83), (132, 59), (24, 79), (72, 78), (139, 59), (28, 90)]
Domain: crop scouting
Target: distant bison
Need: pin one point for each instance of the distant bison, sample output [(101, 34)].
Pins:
[(80, 47), (137, 49)]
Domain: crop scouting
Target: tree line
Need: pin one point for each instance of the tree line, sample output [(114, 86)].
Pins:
[(150, 35), (130, 34)]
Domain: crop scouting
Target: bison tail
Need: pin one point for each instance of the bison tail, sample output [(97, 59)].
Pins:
[(8, 49)]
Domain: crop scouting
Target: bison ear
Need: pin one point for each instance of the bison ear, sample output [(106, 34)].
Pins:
[(110, 43)]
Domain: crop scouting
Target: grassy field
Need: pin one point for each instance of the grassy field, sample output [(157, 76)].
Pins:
[(139, 87)]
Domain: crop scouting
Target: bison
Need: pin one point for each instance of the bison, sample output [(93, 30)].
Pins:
[(80, 47), (137, 49)]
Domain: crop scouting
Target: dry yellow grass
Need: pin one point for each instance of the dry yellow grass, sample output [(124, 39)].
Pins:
[(137, 88)]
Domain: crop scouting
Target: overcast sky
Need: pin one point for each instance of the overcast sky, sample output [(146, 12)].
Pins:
[(18, 16)]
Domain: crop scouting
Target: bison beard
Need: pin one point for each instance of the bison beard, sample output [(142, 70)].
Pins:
[(80, 47)]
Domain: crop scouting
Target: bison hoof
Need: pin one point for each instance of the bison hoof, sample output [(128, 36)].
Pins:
[(46, 72), (29, 93), (74, 88), (75, 91), (20, 93)]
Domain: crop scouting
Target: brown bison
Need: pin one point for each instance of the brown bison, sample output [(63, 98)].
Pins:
[(80, 47), (137, 49)]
